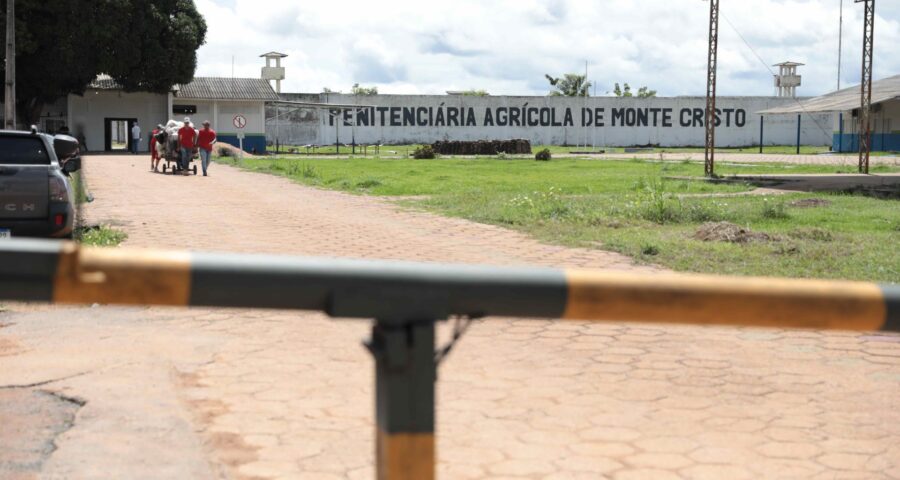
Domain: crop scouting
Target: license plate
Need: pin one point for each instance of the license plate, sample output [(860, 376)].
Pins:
[(5, 233)]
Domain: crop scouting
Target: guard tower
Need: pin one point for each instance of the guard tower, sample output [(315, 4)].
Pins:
[(787, 80), (276, 72)]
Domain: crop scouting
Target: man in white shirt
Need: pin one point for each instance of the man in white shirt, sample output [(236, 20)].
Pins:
[(135, 137)]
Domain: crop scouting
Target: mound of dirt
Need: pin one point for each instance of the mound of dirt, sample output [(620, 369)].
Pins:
[(810, 203), (728, 232), (223, 149)]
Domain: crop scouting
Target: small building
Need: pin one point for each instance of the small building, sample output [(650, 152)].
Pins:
[(106, 113), (844, 104)]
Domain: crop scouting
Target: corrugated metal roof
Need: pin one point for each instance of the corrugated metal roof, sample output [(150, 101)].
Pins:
[(104, 82), (217, 88), (845, 99), (208, 88)]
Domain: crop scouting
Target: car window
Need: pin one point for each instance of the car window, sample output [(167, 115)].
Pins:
[(15, 150)]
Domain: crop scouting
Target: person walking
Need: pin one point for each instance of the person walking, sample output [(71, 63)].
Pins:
[(154, 153), (206, 138), (187, 139), (135, 138)]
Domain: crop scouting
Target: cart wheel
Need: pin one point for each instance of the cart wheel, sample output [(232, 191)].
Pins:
[(165, 168), (195, 169)]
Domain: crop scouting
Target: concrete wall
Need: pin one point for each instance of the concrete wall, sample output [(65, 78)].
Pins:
[(86, 113), (601, 121)]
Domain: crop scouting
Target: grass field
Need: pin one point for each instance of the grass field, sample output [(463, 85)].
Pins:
[(405, 150), (628, 206)]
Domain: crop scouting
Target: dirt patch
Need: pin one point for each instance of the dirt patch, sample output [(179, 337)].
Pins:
[(225, 150), (810, 203), (728, 232), (9, 347), (229, 450)]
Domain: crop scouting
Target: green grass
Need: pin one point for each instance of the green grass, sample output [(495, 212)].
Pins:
[(629, 206), (102, 236), (77, 182), (405, 150)]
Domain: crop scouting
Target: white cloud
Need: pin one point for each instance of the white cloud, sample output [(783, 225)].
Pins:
[(506, 46)]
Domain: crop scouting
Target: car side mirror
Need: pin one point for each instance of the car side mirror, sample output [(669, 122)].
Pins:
[(72, 165)]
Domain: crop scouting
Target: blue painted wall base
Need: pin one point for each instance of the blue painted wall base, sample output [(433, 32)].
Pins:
[(881, 142)]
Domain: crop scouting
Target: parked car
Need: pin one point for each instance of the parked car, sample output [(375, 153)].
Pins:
[(36, 197)]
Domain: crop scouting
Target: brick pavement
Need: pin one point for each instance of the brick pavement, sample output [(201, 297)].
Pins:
[(209, 393)]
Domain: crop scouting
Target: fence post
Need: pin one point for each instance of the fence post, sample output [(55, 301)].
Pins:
[(762, 120), (798, 133), (841, 132), (405, 375)]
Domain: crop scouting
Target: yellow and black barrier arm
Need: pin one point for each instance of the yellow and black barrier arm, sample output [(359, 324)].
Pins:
[(47, 271), (406, 299)]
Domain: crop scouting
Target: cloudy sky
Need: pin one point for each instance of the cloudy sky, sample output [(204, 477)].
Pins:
[(506, 46)]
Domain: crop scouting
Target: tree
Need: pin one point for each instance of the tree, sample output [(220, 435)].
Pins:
[(570, 85), (357, 90), (643, 92), (61, 46), (474, 93)]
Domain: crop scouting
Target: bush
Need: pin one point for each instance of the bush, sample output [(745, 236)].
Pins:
[(543, 155), (774, 210), (423, 152)]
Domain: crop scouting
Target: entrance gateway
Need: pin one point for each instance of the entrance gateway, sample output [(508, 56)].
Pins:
[(117, 134)]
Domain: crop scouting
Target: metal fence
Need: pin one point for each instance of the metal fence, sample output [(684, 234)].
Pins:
[(405, 300)]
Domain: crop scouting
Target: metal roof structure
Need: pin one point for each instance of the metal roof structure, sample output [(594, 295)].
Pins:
[(207, 88), (842, 100), (218, 88), (104, 82)]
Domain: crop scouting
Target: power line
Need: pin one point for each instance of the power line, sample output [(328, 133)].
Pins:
[(772, 72)]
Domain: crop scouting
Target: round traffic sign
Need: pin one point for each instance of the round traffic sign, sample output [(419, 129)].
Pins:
[(239, 121)]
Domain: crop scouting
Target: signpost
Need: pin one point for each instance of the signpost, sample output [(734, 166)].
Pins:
[(239, 122)]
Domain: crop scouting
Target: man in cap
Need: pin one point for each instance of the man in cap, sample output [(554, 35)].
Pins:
[(206, 138), (187, 139)]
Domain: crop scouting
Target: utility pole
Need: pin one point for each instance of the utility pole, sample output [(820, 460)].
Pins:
[(9, 99), (710, 117), (865, 107), (840, 41)]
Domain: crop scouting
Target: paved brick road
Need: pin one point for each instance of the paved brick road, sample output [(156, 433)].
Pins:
[(206, 393)]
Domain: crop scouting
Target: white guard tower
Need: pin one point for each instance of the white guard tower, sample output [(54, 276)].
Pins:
[(273, 73), (787, 80)]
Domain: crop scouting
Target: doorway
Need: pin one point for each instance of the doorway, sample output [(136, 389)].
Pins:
[(118, 134)]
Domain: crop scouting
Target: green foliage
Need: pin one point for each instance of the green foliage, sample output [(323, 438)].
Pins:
[(643, 92), (357, 90), (61, 46), (424, 152), (774, 210), (474, 93), (649, 249), (543, 155), (102, 236), (569, 85)]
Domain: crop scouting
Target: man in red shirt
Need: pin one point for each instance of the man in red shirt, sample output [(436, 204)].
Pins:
[(206, 138), (187, 139)]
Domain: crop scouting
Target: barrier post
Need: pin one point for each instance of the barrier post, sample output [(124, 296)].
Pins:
[(405, 376)]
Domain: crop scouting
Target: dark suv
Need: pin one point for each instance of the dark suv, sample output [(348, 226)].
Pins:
[(36, 197)]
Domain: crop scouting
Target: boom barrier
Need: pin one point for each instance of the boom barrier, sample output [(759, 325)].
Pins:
[(406, 299)]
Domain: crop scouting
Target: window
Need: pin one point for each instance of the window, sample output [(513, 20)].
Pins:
[(20, 150)]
